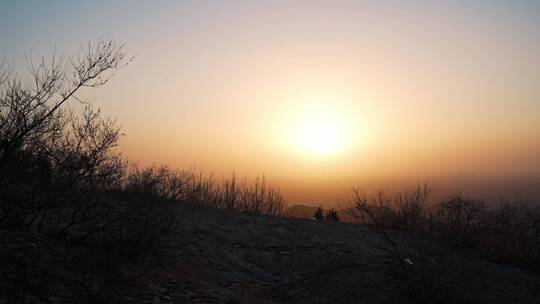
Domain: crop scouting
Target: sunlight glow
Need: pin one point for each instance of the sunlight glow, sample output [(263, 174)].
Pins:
[(315, 122), (320, 136), (321, 125)]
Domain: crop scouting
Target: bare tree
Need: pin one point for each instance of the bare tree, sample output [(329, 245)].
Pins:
[(428, 272), (458, 221), (48, 153), (30, 110)]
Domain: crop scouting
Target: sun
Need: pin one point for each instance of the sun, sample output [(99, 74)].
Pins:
[(319, 136), (320, 126), (320, 130)]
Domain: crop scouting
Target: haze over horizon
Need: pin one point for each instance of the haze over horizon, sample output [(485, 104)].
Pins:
[(313, 94)]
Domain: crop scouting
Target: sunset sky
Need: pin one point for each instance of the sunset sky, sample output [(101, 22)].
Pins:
[(309, 91)]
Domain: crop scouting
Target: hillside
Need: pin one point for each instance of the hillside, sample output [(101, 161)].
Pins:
[(231, 257)]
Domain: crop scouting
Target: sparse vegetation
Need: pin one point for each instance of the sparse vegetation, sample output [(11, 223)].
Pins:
[(508, 233), (60, 172), (187, 186), (319, 214), (65, 188), (332, 215), (426, 272)]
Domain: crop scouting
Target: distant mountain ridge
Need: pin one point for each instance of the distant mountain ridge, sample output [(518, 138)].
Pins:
[(300, 211)]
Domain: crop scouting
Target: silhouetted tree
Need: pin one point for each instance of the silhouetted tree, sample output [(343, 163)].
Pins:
[(458, 221), (332, 215), (30, 111), (50, 157), (319, 214)]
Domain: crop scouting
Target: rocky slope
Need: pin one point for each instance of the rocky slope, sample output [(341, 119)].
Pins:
[(230, 257), (227, 257)]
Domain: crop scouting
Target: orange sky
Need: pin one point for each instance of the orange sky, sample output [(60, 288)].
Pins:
[(390, 88)]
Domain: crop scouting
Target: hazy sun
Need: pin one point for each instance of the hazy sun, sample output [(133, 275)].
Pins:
[(320, 125), (319, 136)]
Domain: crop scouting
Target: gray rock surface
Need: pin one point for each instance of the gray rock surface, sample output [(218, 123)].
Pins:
[(233, 257)]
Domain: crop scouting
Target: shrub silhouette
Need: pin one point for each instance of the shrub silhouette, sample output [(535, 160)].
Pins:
[(426, 272), (56, 166), (60, 173), (458, 222), (508, 233), (319, 214), (332, 215)]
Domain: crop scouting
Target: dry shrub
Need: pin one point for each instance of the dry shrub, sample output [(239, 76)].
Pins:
[(405, 211), (509, 233), (423, 269), (186, 186), (459, 222), (512, 235), (60, 172)]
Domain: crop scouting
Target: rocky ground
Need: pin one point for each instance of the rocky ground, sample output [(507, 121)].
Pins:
[(231, 257)]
